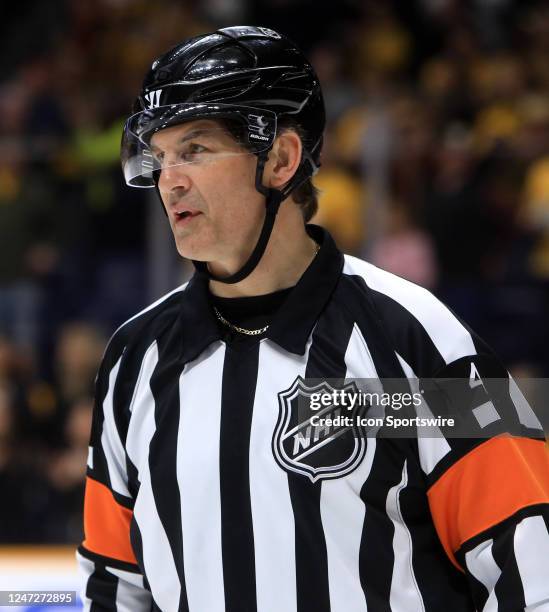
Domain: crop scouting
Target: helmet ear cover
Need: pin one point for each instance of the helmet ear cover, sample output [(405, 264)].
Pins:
[(306, 169)]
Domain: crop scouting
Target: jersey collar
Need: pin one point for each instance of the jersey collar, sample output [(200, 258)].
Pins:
[(292, 324), (296, 318)]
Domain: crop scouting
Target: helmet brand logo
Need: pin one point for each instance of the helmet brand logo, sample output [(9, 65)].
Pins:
[(257, 124), (269, 32), (153, 98)]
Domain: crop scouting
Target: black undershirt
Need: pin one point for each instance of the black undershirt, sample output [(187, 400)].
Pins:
[(248, 312)]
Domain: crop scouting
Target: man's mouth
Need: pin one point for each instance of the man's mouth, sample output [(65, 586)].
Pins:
[(184, 217)]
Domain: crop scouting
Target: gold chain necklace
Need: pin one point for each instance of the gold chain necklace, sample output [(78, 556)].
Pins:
[(242, 330)]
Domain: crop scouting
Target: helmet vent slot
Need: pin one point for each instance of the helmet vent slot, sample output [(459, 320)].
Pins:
[(229, 89)]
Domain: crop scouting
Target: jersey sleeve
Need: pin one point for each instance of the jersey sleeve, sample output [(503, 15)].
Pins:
[(488, 487), (111, 577), (489, 493)]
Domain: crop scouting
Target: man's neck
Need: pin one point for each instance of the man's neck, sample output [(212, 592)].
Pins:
[(288, 254)]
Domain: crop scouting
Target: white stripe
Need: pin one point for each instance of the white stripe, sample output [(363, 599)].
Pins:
[(542, 606), (157, 556), (481, 564), (527, 416), (131, 596), (358, 358), (450, 337), (272, 513), (85, 570), (198, 477), (361, 368), (341, 507), (532, 554), (89, 462), (110, 440), (343, 512), (142, 426), (405, 594), (431, 449)]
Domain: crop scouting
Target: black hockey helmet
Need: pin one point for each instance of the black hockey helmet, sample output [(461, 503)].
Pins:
[(251, 78)]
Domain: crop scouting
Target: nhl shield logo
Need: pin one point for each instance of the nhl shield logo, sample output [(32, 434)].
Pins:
[(319, 442)]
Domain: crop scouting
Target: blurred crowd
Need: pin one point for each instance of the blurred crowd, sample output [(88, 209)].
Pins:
[(435, 167)]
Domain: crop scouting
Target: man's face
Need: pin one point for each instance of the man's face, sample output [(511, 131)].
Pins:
[(207, 186)]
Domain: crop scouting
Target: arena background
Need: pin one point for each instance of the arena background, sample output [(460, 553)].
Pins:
[(436, 167)]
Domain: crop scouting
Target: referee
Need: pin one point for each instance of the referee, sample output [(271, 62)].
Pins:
[(208, 487)]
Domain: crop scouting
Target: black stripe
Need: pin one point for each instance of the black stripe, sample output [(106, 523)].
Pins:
[(126, 386), (464, 399), (501, 528), (311, 557), (131, 357), (100, 471), (409, 337), (102, 560), (326, 360), (491, 367), (132, 341), (355, 296), (478, 591), (137, 546), (101, 589), (133, 478), (376, 555), (237, 401), (437, 578), (163, 450), (509, 591)]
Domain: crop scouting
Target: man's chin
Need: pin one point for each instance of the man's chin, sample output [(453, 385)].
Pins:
[(196, 254)]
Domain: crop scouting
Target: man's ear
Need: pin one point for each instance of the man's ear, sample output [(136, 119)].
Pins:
[(284, 159)]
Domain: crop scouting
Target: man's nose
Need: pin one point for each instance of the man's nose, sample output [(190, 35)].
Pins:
[(174, 176)]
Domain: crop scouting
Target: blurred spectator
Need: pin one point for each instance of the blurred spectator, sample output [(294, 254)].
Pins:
[(341, 207), (535, 215), (79, 350), (338, 88), (342, 199), (26, 512), (67, 469), (406, 250), (453, 213)]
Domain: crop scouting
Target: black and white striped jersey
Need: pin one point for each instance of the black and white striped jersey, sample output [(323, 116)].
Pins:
[(193, 503)]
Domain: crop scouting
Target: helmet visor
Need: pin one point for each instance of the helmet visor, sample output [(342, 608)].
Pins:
[(218, 131)]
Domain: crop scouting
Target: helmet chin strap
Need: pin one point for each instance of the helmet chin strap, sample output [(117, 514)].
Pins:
[(274, 198)]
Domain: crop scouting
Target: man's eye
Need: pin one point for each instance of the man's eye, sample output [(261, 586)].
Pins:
[(187, 154), (194, 149)]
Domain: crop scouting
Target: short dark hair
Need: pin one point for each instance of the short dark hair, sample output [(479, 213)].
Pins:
[(306, 194), (306, 197)]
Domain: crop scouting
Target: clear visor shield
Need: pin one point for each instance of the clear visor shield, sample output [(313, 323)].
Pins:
[(187, 133)]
